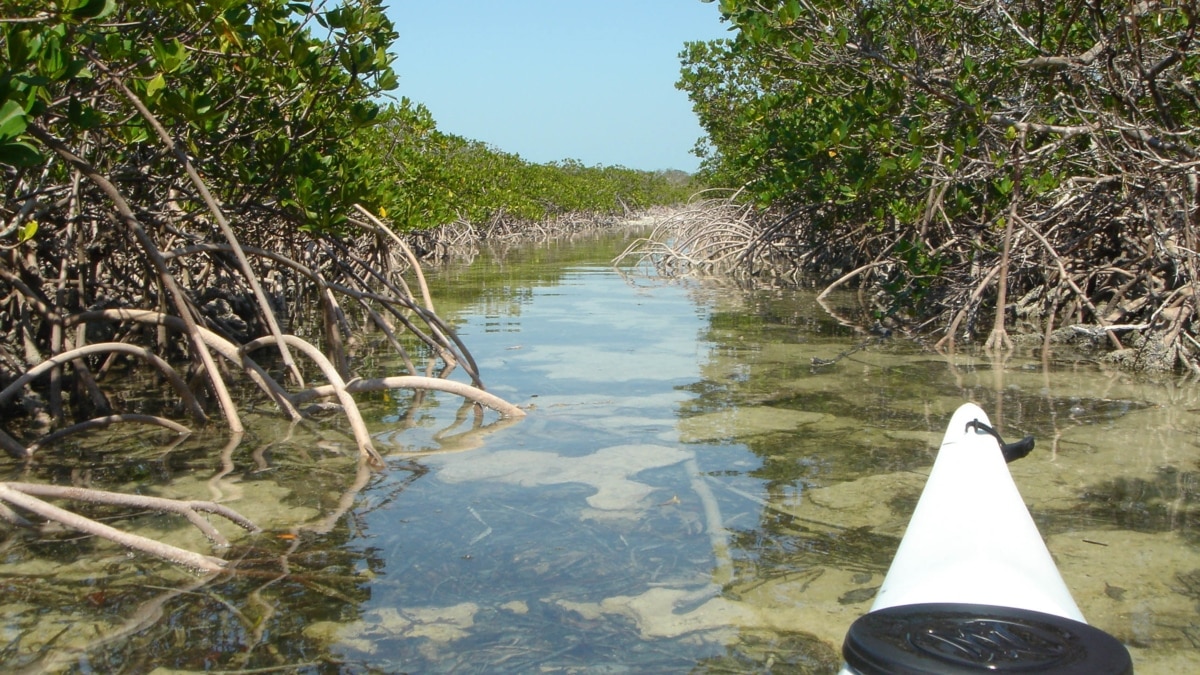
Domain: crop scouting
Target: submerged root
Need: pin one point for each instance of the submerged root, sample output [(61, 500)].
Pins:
[(466, 391), (28, 496)]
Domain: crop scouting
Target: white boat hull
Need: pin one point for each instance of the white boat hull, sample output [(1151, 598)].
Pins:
[(971, 538), (972, 587)]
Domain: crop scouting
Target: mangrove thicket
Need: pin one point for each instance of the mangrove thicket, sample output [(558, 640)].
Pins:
[(975, 168)]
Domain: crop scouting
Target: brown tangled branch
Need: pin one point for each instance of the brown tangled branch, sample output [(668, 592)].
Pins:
[(171, 302), (171, 286)]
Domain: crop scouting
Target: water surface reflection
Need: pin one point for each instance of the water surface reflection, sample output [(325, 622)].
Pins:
[(710, 479)]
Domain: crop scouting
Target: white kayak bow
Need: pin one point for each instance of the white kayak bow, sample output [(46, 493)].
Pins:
[(972, 587)]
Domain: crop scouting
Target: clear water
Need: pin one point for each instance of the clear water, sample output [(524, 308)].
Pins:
[(689, 493)]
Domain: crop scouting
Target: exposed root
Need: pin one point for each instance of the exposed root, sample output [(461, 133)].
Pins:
[(28, 496), (416, 382), (1087, 260), (105, 421)]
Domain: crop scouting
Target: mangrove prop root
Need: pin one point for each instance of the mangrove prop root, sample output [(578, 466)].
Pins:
[(222, 222), (174, 272), (222, 346), (99, 422), (467, 391), (189, 509), (1101, 250), (382, 229), (361, 435), (26, 496), (169, 284), (150, 357)]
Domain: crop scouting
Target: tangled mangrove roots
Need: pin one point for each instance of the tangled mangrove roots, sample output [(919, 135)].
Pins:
[(1026, 167), (1109, 264), (29, 496), (152, 271), (709, 236)]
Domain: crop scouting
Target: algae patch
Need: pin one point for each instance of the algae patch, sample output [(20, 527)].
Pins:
[(742, 422)]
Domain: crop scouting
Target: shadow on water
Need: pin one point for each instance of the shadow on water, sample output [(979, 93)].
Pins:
[(1168, 502), (710, 480)]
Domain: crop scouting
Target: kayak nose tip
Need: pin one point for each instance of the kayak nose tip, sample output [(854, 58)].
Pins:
[(1011, 451), (1017, 449)]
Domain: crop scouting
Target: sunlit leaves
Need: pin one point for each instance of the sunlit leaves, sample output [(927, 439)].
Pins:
[(169, 54), (28, 231), (434, 178), (154, 86), (12, 120), (242, 83), (279, 103)]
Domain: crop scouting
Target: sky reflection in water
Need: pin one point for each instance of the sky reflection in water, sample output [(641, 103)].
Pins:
[(687, 493)]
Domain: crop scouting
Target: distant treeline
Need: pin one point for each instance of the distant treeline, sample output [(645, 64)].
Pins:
[(430, 178)]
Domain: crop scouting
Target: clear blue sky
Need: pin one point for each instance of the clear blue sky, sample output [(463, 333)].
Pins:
[(592, 80)]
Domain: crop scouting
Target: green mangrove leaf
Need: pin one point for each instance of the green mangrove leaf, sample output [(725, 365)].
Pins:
[(170, 54), (19, 154), (12, 120), (84, 10), (155, 85), (28, 230)]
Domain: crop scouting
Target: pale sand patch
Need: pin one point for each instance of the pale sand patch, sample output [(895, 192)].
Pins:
[(865, 502), (516, 607), (607, 470), (1141, 588), (809, 602), (439, 624), (653, 612)]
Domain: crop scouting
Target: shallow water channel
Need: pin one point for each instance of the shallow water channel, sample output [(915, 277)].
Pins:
[(690, 492)]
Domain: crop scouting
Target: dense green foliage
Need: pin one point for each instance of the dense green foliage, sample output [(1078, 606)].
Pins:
[(856, 101), (939, 123), (262, 95), (278, 103)]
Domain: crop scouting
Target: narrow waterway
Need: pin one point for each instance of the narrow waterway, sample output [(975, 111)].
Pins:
[(710, 479)]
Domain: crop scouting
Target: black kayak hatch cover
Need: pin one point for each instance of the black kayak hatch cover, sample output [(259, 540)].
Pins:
[(949, 638)]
